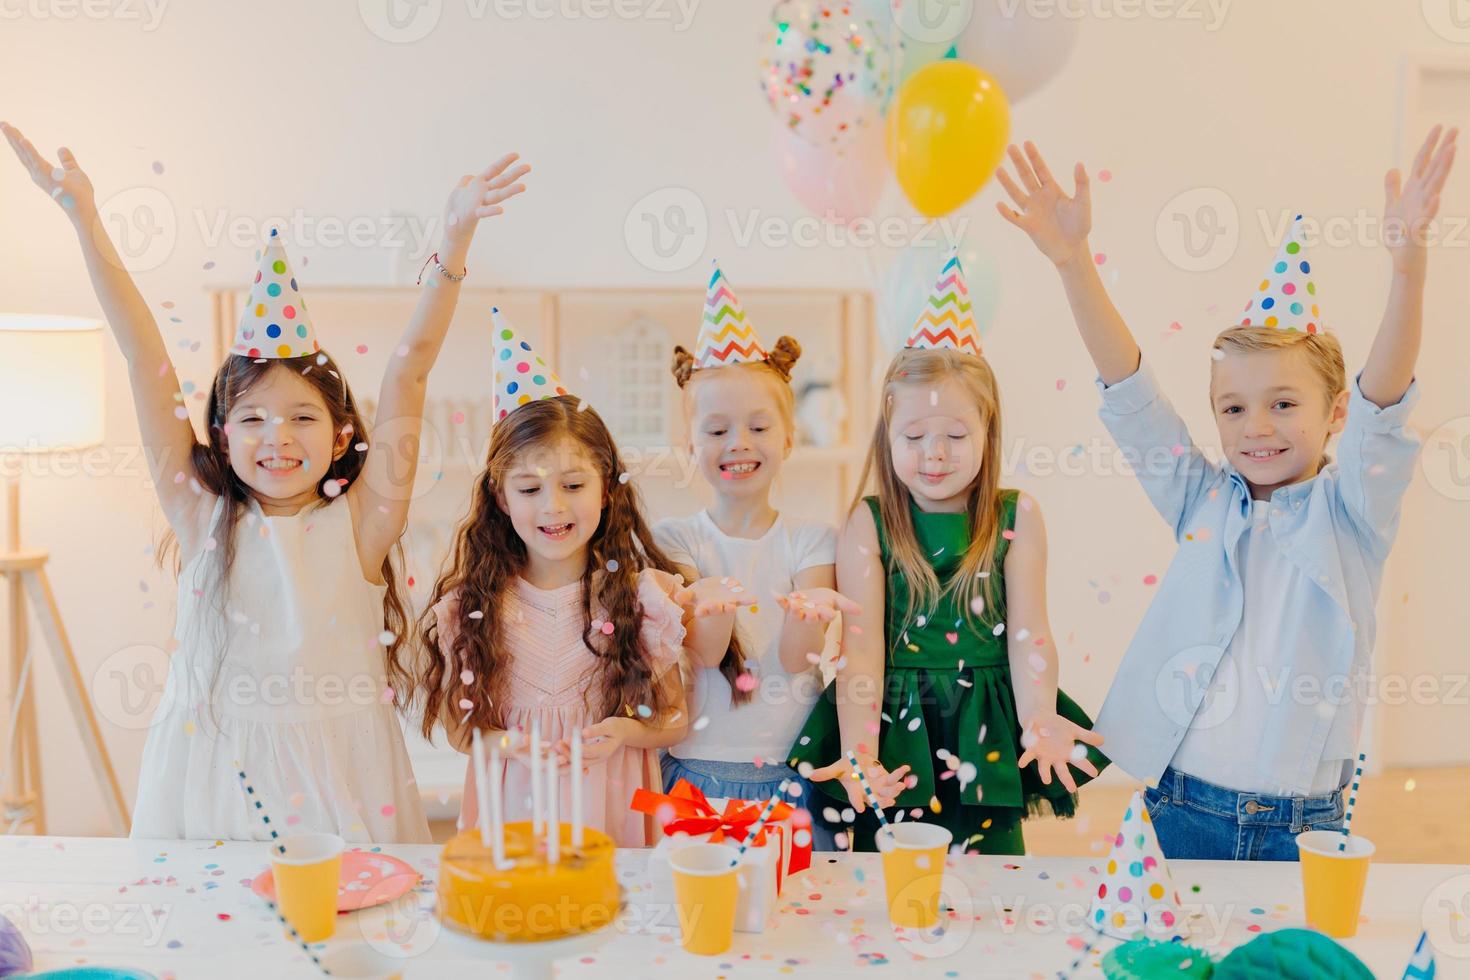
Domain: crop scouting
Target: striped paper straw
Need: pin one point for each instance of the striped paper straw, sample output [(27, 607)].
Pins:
[(862, 779), (1077, 963), (760, 824), (281, 850), (1347, 817)]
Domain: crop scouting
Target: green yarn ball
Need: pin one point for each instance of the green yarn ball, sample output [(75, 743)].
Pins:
[(1292, 954)]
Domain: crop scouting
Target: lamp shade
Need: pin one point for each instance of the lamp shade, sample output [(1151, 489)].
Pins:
[(51, 386)]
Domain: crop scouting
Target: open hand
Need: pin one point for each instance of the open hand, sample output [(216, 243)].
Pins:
[(65, 183), (714, 596), (1051, 742), (480, 195), (885, 785), (818, 604), (1410, 205), (1058, 224)]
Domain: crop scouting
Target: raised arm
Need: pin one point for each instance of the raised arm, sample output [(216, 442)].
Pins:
[(1047, 736), (1408, 212), (1059, 226), (168, 437), (380, 499)]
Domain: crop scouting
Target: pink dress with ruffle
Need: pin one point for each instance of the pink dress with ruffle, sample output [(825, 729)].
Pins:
[(550, 669)]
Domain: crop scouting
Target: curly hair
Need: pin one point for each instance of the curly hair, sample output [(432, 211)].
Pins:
[(488, 554)]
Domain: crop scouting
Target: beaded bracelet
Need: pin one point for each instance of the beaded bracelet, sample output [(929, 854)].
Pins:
[(442, 271)]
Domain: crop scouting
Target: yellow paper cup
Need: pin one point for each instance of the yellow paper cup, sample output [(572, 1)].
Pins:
[(707, 891), (1333, 880), (913, 871), (306, 883)]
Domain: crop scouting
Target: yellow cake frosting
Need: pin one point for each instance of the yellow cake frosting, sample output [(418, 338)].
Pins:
[(529, 900)]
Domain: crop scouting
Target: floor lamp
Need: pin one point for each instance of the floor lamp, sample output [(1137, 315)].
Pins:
[(51, 400)]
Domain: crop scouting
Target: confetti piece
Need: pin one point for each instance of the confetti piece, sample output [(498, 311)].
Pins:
[(1150, 580), (745, 682), (1104, 175), (361, 348), (1100, 258), (612, 565), (386, 638)]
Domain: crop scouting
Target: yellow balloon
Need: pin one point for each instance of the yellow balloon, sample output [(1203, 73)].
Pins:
[(947, 130)]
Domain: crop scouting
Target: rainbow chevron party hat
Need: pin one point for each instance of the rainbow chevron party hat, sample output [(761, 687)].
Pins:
[(274, 323), (726, 336), (947, 320)]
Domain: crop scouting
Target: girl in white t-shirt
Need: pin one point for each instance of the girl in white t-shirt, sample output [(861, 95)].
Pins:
[(753, 666)]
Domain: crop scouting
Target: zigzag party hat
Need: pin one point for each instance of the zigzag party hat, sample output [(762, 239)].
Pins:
[(726, 336), (274, 323), (947, 320), (1286, 299), (1137, 893), (521, 375)]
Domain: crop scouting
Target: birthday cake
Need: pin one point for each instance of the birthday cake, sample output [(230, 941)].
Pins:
[(527, 899)]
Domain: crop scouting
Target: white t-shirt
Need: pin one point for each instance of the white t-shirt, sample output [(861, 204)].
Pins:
[(1253, 683), (765, 726)]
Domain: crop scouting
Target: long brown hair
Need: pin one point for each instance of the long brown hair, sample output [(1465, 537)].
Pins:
[(488, 554), (211, 467), (985, 506), (776, 368)]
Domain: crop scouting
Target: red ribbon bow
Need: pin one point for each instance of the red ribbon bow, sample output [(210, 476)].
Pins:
[(694, 815)]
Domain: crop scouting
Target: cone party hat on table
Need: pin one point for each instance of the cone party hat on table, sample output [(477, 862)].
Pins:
[(1286, 297), (947, 321), (726, 334), (521, 376), (274, 322), (1137, 895)]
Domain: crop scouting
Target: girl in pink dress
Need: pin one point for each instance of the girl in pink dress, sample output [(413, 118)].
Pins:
[(557, 607)]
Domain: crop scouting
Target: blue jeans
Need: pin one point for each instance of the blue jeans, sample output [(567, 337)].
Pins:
[(746, 781), (1199, 820)]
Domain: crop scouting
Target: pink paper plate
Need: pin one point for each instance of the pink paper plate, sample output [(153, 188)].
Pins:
[(368, 879)]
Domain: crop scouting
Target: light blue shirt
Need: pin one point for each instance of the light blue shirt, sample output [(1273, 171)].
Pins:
[(1337, 528)]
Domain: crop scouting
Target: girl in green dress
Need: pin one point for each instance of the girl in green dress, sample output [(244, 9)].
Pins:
[(947, 685)]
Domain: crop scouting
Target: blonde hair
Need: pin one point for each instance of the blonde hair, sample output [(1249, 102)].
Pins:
[(777, 366), (985, 506), (1322, 351)]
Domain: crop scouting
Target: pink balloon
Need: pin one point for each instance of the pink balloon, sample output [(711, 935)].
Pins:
[(840, 184)]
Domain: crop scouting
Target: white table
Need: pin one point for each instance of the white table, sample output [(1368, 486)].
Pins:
[(183, 909)]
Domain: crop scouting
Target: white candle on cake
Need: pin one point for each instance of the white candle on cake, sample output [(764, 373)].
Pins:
[(577, 789), (553, 822), (536, 775), (482, 791), (497, 806)]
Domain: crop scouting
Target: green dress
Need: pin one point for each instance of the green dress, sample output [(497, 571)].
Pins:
[(947, 685)]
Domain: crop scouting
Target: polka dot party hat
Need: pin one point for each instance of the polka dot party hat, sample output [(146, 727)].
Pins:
[(726, 336), (1137, 894), (946, 321), (521, 375), (274, 323), (1286, 298)]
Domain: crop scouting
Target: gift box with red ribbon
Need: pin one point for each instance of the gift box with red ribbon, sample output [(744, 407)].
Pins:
[(773, 855)]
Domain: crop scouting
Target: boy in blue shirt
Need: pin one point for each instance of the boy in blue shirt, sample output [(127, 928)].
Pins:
[(1281, 548)]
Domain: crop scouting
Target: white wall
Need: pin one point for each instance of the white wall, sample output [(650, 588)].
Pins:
[(256, 110)]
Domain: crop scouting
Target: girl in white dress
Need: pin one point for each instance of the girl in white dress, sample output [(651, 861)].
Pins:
[(286, 649)]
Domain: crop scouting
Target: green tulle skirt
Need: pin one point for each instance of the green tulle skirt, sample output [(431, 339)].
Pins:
[(971, 714)]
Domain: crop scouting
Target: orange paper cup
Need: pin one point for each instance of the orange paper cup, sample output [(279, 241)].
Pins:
[(707, 891), (913, 871), (306, 883), (1333, 880)]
